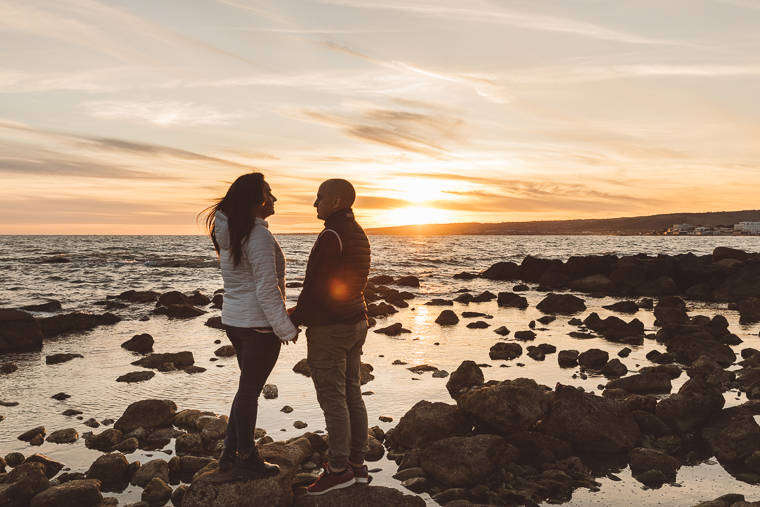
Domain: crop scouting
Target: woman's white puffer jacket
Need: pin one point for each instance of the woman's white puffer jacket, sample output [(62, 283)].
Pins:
[(254, 291)]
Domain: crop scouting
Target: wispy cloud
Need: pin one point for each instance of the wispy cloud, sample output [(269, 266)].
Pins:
[(162, 113), (424, 132), (482, 12)]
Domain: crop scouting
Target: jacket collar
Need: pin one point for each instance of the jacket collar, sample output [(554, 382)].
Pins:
[(261, 221), (341, 215)]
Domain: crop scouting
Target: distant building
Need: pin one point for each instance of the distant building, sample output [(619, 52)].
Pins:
[(747, 228)]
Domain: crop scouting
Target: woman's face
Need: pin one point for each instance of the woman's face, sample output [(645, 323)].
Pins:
[(267, 209)]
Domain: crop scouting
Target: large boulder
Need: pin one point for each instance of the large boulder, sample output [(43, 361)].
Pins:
[(628, 274), (467, 375), (366, 496), (465, 462), (219, 487), (532, 268), (19, 331), (505, 350), (687, 348), (594, 283), (749, 311), (140, 343), (643, 383), (594, 358), (147, 472), (561, 303), (723, 252), (509, 407), (82, 493), (428, 422), (502, 271), (112, 470), (590, 423), (447, 318), (146, 414), (173, 298), (739, 286), (624, 331), (158, 361), (694, 403), (73, 322), (578, 267), (644, 460), (52, 467), (733, 434), (20, 485), (103, 440), (661, 286)]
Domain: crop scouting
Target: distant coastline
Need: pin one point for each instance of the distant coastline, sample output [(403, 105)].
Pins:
[(652, 225)]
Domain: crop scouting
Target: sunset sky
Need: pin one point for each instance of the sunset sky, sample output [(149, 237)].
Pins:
[(127, 117)]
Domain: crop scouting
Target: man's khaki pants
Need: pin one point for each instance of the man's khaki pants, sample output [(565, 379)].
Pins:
[(334, 357)]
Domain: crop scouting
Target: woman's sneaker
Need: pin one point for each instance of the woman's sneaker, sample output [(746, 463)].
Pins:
[(361, 474), (329, 481)]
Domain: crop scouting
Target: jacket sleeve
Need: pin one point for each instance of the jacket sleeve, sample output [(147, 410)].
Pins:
[(262, 252), (323, 262)]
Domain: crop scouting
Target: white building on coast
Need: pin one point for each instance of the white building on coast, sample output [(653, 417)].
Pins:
[(747, 228)]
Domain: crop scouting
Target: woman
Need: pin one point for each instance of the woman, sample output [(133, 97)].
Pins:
[(254, 314)]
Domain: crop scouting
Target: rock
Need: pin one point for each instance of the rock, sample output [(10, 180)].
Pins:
[(509, 407), (60, 358), (620, 332), (733, 435), (749, 311), (623, 307), (381, 280), (671, 316), (19, 331), (594, 283), (150, 470), (466, 461), (688, 348), (146, 414), (270, 391), (14, 459), (66, 436), (199, 299), (215, 430), (503, 350), (644, 460), (643, 383), (225, 351), (694, 403), (501, 331), (157, 361), (593, 358), (408, 281), (628, 274), (525, 336), (28, 435), (478, 325), (723, 252), (428, 422), (140, 343), (561, 303), (532, 268), (215, 322), (302, 367), (216, 488), (156, 492), (546, 319), (8, 368), (614, 368), (184, 311), (363, 496), (511, 300), (189, 443), (440, 374), (650, 424), (173, 298), (81, 493), (590, 423), (112, 470), (37, 440), (52, 467), (61, 397), (74, 322), (536, 353), (392, 330), (104, 440), (136, 376), (502, 271), (21, 484), (179, 493), (127, 446), (137, 296), (416, 484), (467, 375), (464, 275), (439, 302), (741, 285), (447, 318), (567, 358), (51, 306), (661, 286)]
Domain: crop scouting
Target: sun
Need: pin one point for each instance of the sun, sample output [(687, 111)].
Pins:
[(418, 215)]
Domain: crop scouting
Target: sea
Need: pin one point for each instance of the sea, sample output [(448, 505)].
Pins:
[(82, 271)]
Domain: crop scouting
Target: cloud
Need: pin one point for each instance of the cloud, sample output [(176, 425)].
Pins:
[(162, 113), (499, 15), (423, 132), (378, 202)]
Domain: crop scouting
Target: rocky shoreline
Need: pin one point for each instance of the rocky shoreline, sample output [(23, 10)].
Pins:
[(508, 442)]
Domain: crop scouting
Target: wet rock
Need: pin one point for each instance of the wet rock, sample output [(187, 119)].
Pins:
[(502, 271), (546, 319), (80, 493), (365, 373), (408, 281), (225, 351), (190, 443), (157, 361), (215, 323), (428, 422), (381, 280), (393, 330), (525, 336), (749, 311), (739, 286), (628, 273), (140, 343), (361, 496), (624, 352), (14, 459), (520, 288), (723, 252), (590, 423), (623, 307), (30, 434), (661, 286), (112, 470), (173, 298), (466, 376), (567, 358), (614, 368), (439, 302), (506, 351), (61, 396), (127, 446), (671, 315), (21, 484), (594, 283), (186, 311), (52, 467), (150, 470), (8, 368), (532, 268), (67, 436), (645, 460), (215, 430), (622, 331), (501, 331), (561, 303), (37, 440), (464, 275), (136, 376), (643, 383), (447, 318), (199, 299), (302, 367), (156, 492), (694, 403), (511, 300), (104, 440), (146, 414), (483, 297), (593, 358), (74, 322), (380, 310), (650, 424), (466, 461), (690, 347), (478, 325), (733, 435), (511, 406), (536, 353), (51, 306), (137, 296), (19, 331)]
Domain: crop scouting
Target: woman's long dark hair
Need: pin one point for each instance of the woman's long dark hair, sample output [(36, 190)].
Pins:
[(245, 195)]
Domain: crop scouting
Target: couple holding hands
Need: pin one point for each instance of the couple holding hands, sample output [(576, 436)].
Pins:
[(331, 307)]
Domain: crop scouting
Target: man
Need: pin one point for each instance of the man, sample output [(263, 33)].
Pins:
[(332, 307)]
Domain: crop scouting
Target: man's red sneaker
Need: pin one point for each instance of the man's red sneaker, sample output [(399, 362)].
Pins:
[(361, 474), (329, 481)]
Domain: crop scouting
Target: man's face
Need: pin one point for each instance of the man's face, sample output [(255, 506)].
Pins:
[(325, 203)]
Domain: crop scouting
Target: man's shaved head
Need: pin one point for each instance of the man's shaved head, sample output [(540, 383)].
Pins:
[(339, 188)]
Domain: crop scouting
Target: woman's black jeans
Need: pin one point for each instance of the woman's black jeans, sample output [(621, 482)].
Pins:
[(256, 355)]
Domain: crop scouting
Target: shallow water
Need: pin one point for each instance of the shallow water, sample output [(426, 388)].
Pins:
[(108, 265)]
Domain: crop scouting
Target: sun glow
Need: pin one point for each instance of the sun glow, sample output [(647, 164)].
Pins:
[(418, 215)]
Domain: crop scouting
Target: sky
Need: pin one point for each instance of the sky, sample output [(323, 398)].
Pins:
[(130, 117)]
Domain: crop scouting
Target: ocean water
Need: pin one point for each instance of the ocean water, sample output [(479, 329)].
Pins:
[(100, 266)]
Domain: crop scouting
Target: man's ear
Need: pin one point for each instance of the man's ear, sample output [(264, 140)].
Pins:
[(336, 202)]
